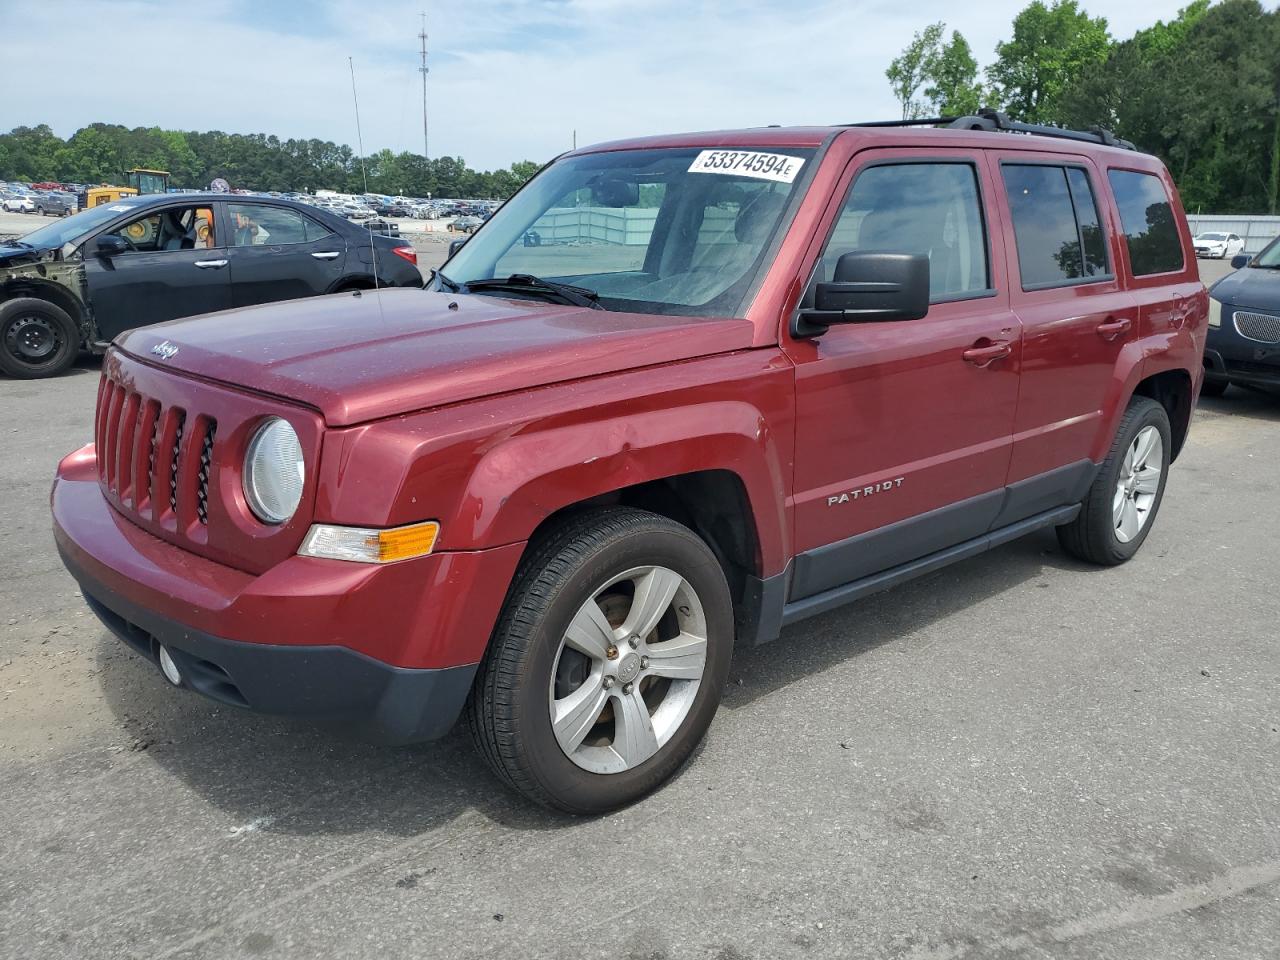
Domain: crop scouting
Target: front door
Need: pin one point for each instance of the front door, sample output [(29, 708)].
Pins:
[(174, 265), (903, 429), (278, 253)]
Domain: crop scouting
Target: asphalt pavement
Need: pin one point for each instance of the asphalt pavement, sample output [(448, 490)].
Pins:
[(1019, 756)]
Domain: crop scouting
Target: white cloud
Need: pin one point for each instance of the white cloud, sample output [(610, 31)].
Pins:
[(509, 80)]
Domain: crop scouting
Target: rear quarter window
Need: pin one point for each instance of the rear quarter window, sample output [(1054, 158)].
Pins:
[(1150, 230)]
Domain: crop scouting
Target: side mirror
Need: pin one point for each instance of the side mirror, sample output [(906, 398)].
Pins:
[(456, 245), (110, 245), (869, 288), (1240, 260)]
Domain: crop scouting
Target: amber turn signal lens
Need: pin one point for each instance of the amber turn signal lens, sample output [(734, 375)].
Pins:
[(370, 545)]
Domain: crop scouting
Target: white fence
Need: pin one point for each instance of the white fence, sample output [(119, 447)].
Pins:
[(1257, 231), (623, 225)]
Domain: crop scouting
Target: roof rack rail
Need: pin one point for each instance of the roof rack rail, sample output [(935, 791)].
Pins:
[(994, 121)]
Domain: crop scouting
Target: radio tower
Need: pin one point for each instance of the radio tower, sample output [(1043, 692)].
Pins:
[(423, 70)]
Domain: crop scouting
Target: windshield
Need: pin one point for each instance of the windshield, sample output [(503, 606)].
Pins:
[(1270, 255), (680, 231), (72, 229), (1212, 236)]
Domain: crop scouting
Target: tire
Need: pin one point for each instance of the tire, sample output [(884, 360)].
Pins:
[(1213, 388), (37, 339), (1104, 533), (588, 564)]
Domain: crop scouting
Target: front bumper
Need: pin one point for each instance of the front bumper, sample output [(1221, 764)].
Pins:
[(1237, 359), (386, 651)]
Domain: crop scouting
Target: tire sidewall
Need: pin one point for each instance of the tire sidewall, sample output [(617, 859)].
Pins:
[(1150, 415), (570, 785), (13, 310)]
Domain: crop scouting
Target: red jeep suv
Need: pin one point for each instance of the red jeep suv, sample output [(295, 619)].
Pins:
[(677, 394)]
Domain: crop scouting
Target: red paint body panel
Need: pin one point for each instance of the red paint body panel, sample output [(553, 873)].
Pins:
[(491, 416)]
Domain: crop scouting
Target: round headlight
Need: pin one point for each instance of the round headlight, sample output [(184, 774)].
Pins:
[(273, 471)]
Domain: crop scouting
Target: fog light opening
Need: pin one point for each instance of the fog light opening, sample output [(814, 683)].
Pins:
[(169, 668)]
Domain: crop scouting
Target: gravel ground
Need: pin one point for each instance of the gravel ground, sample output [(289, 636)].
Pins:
[(1019, 756)]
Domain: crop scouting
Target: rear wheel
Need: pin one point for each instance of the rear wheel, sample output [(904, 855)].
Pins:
[(37, 338), (607, 663), (1121, 506)]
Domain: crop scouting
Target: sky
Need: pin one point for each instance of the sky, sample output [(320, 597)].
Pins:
[(509, 79)]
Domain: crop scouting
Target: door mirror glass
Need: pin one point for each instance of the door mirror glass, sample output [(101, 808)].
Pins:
[(456, 245), (870, 287)]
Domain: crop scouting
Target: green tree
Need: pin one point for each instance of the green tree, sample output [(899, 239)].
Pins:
[(912, 69), (952, 74), (1052, 47)]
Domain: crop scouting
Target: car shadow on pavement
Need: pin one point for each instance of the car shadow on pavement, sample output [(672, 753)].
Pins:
[(311, 780), (1251, 403), (299, 778), (816, 644)]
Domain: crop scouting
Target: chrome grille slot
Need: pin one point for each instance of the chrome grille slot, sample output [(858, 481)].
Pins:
[(175, 458), (206, 467), (1262, 327)]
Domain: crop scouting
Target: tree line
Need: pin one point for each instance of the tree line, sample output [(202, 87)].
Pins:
[(102, 152), (1201, 91)]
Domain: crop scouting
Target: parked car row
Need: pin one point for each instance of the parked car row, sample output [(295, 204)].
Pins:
[(43, 199)]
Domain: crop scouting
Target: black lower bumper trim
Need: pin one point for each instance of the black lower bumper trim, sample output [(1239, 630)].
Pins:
[(365, 697)]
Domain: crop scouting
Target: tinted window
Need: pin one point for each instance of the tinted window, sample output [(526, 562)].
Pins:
[(183, 228), (256, 225), (1055, 224), (1147, 216), (929, 208), (1091, 235)]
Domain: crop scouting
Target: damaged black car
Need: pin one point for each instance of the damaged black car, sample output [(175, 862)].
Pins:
[(76, 283)]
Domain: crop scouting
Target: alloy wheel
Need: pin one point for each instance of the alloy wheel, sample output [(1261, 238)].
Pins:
[(628, 669), (1138, 485)]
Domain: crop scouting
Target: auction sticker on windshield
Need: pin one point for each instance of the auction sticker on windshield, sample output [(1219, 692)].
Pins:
[(748, 163)]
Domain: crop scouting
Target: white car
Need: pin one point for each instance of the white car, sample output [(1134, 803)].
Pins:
[(19, 203), (1219, 245)]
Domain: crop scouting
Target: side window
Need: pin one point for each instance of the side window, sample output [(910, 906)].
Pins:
[(1055, 224), (181, 228), (315, 231), (929, 208), (257, 225), (1147, 217)]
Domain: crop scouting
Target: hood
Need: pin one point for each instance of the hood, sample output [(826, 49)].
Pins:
[(359, 358), (12, 255), (1255, 287)]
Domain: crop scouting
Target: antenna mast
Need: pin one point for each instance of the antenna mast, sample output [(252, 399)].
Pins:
[(423, 70)]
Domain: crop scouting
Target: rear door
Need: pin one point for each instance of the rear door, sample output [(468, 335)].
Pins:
[(1077, 322), (903, 429), (279, 253), (1164, 278)]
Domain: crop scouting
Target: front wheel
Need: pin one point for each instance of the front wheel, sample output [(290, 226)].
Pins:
[(37, 339), (607, 663), (1121, 506)]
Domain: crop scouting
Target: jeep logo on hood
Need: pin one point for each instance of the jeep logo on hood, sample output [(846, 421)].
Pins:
[(165, 350)]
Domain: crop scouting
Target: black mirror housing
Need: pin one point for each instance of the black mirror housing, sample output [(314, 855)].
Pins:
[(110, 245), (615, 193), (869, 288), (1240, 260), (456, 245)]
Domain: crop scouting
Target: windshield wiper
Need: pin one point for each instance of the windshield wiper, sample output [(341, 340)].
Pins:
[(528, 283)]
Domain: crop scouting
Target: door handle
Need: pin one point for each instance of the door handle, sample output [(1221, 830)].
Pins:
[(1113, 328), (982, 356), (327, 256), (211, 264)]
